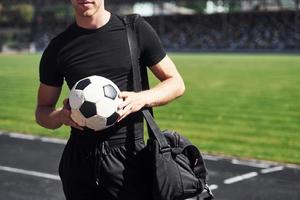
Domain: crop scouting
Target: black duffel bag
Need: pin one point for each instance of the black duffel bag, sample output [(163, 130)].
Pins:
[(177, 167)]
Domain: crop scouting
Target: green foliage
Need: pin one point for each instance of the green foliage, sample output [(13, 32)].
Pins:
[(198, 6), (16, 14), (63, 12), (26, 12), (240, 105), (234, 7), (22, 14), (60, 12)]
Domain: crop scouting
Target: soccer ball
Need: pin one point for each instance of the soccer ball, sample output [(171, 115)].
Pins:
[(94, 102)]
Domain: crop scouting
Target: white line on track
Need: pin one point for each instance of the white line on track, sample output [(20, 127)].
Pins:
[(212, 158), (250, 163), (31, 137), (53, 140), (21, 136), (31, 173), (240, 178), (273, 169)]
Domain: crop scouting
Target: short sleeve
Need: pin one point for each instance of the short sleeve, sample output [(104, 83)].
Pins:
[(152, 51), (49, 70)]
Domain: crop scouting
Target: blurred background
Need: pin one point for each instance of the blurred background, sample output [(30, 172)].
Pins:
[(241, 66), (193, 25)]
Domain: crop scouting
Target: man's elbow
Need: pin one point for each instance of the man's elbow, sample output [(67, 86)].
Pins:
[(37, 117), (40, 121), (180, 88), (44, 125)]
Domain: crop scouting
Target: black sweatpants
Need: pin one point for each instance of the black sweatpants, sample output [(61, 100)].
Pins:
[(95, 169)]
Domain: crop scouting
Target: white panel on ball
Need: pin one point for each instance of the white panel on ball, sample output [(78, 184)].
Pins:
[(93, 92), (76, 98), (98, 79), (106, 107), (96, 123)]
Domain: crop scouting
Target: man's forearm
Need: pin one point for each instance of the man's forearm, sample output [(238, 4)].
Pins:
[(164, 92), (48, 117)]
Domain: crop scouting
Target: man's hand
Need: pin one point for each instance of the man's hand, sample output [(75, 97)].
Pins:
[(65, 115), (132, 102), (170, 87)]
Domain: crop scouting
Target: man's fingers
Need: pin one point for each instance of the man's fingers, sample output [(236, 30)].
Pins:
[(66, 104), (67, 120), (126, 111), (75, 125), (66, 113), (123, 104), (124, 94), (121, 117), (70, 122), (65, 101)]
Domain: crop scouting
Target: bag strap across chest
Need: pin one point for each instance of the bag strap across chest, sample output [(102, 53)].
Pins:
[(153, 129)]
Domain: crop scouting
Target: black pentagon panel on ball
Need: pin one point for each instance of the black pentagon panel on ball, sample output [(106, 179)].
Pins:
[(112, 119), (83, 84), (110, 91), (88, 109)]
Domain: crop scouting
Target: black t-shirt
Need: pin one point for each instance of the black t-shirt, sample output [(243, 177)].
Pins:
[(77, 53)]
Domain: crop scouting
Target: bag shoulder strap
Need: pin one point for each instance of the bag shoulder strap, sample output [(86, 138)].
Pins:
[(129, 21), (153, 129)]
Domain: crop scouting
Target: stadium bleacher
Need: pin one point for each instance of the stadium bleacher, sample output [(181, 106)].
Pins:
[(235, 31), (260, 28)]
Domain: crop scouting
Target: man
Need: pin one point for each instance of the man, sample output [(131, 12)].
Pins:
[(106, 164)]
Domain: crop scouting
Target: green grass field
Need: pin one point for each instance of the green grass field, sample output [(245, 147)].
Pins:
[(235, 104)]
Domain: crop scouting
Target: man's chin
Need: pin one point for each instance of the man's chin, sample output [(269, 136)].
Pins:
[(85, 12)]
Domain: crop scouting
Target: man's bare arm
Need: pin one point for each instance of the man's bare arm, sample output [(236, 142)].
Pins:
[(170, 87), (46, 114)]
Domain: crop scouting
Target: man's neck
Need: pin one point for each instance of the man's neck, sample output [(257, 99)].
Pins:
[(98, 20)]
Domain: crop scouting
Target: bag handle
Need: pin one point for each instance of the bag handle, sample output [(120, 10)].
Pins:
[(153, 129)]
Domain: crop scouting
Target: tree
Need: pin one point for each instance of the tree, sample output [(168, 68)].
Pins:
[(26, 12)]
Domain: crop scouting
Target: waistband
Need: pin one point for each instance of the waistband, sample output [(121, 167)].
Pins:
[(117, 140), (128, 131)]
